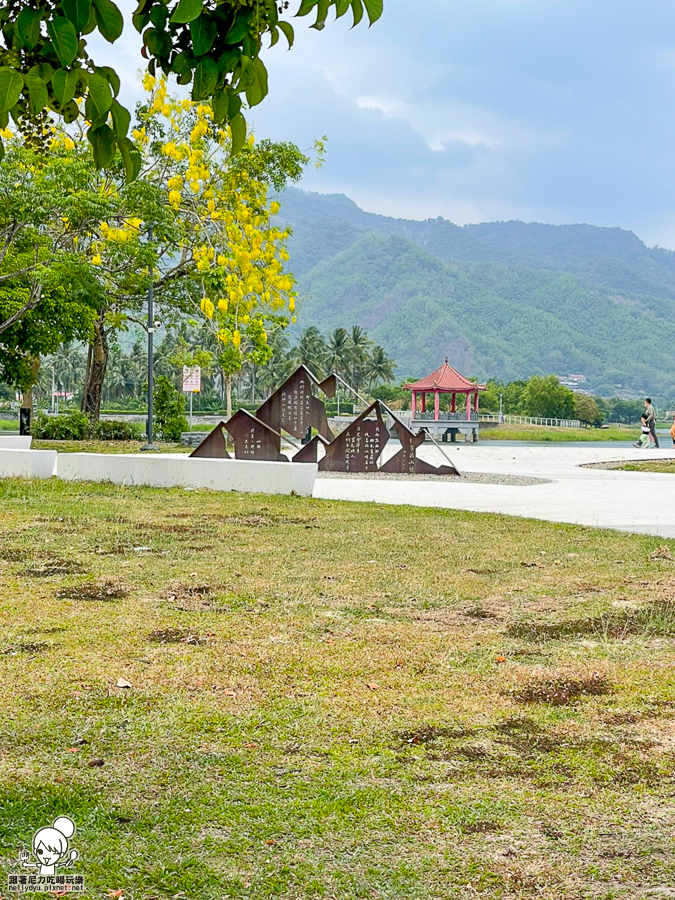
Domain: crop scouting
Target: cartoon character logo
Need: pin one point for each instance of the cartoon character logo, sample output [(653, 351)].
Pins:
[(50, 846)]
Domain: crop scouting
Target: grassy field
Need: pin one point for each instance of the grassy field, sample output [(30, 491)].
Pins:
[(649, 465), (507, 432), (334, 700), (104, 446), (9, 425)]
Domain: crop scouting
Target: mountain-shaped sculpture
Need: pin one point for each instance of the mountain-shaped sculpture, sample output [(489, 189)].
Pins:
[(358, 447), (406, 462), (254, 439), (213, 446), (294, 408)]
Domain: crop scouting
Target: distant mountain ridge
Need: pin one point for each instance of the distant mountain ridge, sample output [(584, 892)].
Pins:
[(506, 299)]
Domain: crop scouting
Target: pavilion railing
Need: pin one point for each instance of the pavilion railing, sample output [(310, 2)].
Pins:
[(444, 416)]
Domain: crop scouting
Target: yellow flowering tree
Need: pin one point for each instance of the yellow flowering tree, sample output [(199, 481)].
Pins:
[(215, 250)]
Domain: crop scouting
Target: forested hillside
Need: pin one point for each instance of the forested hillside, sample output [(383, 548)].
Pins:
[(503, 299)]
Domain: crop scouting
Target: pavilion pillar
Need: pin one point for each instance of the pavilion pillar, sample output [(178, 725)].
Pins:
[(454, 402), (437, 398), (475, 402), (414, 404), (424, 401), (468, 406)]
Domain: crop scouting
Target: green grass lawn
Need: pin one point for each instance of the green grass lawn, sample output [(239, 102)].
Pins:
[(334, 700), (9, 425), (649, 465), (507, 432), (105, 446)]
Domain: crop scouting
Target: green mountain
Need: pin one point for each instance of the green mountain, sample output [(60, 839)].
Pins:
[(503, 299)]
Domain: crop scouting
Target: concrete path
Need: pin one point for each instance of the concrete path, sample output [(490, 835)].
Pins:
[(626, 501)]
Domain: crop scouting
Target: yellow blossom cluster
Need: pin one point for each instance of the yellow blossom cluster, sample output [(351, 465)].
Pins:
[(235, 251)]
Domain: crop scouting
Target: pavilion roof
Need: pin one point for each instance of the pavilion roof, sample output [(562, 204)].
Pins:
[(445, 380)]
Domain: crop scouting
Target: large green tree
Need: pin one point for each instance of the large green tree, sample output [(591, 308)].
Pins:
[(213, 45)]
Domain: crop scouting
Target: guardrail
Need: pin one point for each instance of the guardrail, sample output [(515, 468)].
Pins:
[(530, 420)]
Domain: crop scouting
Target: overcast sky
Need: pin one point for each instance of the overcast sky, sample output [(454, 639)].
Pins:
[(477, 110)]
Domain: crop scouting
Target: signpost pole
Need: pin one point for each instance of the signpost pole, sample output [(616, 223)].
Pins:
[(192, 393)]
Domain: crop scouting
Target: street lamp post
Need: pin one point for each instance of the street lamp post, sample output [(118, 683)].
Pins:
[(150, 445)]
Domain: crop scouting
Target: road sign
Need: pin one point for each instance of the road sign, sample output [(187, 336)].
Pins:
[(192, 379)]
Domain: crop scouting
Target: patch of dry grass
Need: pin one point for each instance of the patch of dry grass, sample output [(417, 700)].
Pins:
[(334, 700)]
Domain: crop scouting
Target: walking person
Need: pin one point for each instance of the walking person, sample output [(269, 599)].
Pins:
[(672, 432), (650, 417)]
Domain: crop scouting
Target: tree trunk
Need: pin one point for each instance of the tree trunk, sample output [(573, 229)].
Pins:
[(97, 362), (228, 391)]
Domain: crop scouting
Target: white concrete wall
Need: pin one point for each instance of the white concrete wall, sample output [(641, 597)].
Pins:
[(27, 463), (15, 442), (178, 470)]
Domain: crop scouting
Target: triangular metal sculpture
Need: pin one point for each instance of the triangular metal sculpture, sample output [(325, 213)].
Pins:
[(254, 439), (294, 408), (310, 452), (406, 462), (213, 446), (358, 447)]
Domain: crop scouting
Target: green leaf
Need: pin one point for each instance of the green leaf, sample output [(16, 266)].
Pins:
[(220, 106), (77, 11), (2, 149), (306, 7), (257, 92), (159, 16), (341, 7), (374, 9), (70, 112), (28, 26), (64, 85), (186, 11), (321, 15), (121, 119), (102, 140), (91, 22), (157, 42), (239, 29), (43, 70), (11, 85), (234, 105), (184, 62), (109, 19), (357, 11), (99, 94), (287, 29), (64, 38), (38, 97), (111, 77), (203, 31), (131, 158), (206, 78), (227, 61), (238, 126)]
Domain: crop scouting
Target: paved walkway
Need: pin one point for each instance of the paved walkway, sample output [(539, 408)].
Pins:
[(626, 501)]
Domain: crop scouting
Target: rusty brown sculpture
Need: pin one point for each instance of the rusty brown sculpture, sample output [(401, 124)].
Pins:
[(213, 446), (294, 408), (254, 439), (405, 462), (358, 447)]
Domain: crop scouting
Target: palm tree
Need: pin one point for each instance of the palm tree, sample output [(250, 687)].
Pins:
[(311, 351), (379, 367), (338, 353), (360, 345)]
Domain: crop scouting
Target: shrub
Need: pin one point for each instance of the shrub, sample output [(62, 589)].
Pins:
[(117, 430), (73, 427), (169, 410)]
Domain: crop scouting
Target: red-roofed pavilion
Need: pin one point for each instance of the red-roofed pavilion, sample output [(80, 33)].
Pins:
[(445, 380)]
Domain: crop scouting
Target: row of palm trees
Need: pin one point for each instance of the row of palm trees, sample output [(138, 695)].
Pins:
[(349, 353)]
